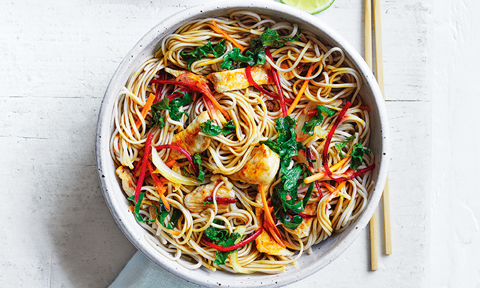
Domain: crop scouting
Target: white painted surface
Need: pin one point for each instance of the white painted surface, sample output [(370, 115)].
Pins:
[(57, 58)]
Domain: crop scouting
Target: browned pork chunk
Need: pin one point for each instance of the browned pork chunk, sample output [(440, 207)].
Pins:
[(190, 139), (261, 168)]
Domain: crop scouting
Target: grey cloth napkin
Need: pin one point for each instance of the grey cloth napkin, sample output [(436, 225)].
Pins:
[(142, 273)]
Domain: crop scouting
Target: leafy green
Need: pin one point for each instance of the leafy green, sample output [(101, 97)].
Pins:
[(235, 56), (137, 207), (221, 237), (157, 119), (340, 146), (285, 197), (272, 39), (357, 154), (286, 144), (210, 129), (173, 106), (198, 160), (162, 212), (200, 52), (257, 52), (213, 130), (255, 55), (316, 120), (228, 128)]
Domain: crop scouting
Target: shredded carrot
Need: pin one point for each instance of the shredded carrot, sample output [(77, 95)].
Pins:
[(320, 175), (131, 208), (161, 190), (328, 186), (145, 110), (174, 232), (275, 233), (335, 193), (228, 37), (171, 163), (300, 93)]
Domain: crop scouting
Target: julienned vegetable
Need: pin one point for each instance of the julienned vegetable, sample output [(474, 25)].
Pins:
[(169, 173), (236, 246), (278, 84), (248, 73), (219, 200), (184, 152), (148, 146), (330, 135)]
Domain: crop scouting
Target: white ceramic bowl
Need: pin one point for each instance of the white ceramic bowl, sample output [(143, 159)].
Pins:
[(326, 251)]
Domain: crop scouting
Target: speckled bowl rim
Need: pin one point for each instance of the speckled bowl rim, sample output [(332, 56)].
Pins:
[(323, 253)]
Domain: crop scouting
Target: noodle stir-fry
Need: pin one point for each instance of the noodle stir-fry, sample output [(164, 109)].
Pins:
[(242, 143)]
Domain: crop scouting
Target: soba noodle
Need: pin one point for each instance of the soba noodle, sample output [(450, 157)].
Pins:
[(254, 114)]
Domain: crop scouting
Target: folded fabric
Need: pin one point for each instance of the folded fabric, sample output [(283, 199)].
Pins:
[(141, 272)]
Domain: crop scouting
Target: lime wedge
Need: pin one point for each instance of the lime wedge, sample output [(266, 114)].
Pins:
[(310, 6)]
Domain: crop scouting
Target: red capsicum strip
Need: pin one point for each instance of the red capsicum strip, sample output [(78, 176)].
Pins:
[(220, 200), (148, 147), (184, 152), (236, 246), (248, 73), (330, 135), (310, 165), (279, 86), (176, 95)]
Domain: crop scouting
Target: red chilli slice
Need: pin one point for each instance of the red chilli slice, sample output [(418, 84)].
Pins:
[(236, 246)]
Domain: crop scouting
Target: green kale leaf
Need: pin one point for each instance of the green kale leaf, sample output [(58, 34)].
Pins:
[(201, 52), (357, 154), (316, 120)]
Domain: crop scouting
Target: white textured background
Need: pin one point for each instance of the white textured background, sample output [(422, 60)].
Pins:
[(57, 57)]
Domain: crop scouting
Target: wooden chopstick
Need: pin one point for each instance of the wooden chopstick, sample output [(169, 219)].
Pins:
[(379, 69), (369, 61)]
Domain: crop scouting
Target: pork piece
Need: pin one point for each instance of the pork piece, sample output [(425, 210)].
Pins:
[(190, 140), (237, 79), (261, 168), (194, 201), (265, 243), (128, 181), (304, 228)]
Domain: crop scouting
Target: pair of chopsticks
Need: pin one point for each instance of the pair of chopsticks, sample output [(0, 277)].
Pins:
[(379, 74)]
